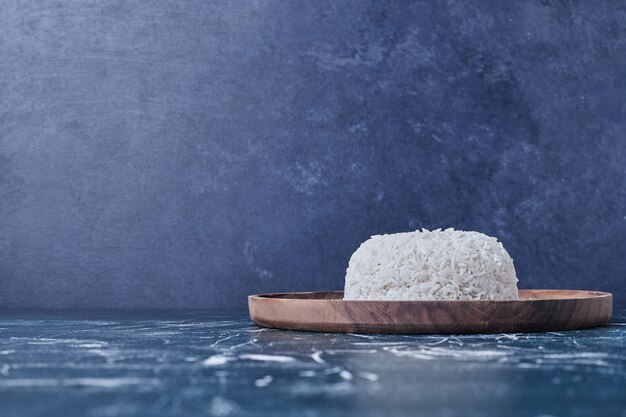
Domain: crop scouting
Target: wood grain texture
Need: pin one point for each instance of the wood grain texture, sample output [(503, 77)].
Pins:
[(536, 311)]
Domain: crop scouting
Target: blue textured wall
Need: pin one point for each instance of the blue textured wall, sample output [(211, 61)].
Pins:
[(186, 154)]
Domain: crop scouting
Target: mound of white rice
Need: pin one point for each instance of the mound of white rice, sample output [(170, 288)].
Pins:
[(424, 265)]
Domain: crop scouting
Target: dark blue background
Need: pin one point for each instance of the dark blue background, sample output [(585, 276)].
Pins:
[(186, 154)]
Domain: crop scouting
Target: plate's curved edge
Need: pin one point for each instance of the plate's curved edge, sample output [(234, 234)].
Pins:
[(307, 311), (311, 296)]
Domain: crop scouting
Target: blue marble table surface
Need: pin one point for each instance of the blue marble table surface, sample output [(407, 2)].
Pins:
[(192, 363)]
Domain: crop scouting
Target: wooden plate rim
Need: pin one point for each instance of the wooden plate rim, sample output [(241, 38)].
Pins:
[(299, 296), (538, 310)]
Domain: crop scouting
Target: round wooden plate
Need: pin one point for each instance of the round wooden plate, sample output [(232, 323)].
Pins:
[(537, 311)]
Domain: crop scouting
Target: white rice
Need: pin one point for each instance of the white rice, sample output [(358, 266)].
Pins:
[(431, 265)]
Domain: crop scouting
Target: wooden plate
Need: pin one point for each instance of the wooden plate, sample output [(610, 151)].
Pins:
[(537, 311)]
